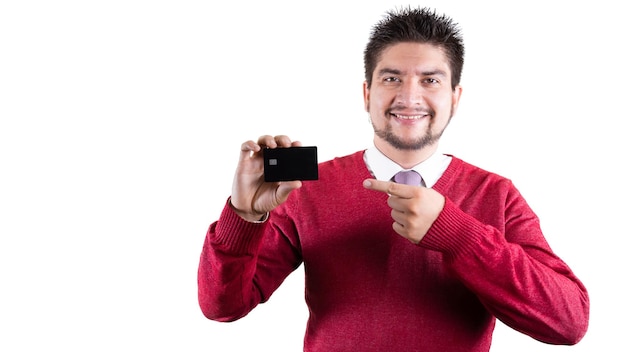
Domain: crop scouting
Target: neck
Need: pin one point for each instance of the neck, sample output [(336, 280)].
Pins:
[(405, 158)]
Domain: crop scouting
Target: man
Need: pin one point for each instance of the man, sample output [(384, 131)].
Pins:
[(390, 266)]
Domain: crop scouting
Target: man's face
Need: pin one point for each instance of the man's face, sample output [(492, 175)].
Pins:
[(410, 100)]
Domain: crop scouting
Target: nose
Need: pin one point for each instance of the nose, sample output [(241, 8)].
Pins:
[(410, 93)]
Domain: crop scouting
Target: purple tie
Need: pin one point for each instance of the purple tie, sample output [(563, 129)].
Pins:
[(410, 177)]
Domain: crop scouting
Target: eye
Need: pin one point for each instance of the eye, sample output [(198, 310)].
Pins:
[(391, 79), (431, 81)]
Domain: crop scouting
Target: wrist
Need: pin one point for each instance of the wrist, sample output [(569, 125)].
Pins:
[(248, 216)]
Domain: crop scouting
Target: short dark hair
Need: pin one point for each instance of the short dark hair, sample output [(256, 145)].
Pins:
[(419, 25)]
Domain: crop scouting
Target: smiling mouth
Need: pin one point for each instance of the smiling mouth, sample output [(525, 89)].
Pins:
[(408, 117)]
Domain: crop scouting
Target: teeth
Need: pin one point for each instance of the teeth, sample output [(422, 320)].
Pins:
[(414, 117)]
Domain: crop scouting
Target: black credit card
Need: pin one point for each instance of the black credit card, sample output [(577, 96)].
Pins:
[(290, 164)]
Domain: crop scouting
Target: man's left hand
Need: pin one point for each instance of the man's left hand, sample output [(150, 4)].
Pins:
[(413, 209)]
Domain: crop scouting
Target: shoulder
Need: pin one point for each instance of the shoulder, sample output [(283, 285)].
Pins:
[(342, 166), (460, 172), (351, 160)]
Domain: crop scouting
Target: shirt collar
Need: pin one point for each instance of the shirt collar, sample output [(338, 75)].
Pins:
[(384, 168)]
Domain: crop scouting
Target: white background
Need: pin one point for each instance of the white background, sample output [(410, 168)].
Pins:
[(120, 128)]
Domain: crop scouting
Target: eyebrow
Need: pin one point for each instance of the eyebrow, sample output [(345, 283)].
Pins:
[(393, 71), (434, 73), (387, 71)]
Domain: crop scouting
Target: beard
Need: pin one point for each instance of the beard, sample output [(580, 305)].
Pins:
[(416, 144), (429, 138)]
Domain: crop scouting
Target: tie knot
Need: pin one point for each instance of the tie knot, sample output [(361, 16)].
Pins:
[(410, 177)]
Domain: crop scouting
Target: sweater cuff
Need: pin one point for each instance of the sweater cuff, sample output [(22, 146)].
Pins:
[(236, 234), (454, 232)]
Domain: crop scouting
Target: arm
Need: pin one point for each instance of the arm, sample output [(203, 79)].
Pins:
[(509, 267), (241, 265), (515, 274), (243, 259)]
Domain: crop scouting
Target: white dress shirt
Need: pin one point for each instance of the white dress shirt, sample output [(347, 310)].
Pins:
[(383, 168)]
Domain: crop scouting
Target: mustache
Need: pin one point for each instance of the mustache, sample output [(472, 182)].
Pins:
[(417, 111)]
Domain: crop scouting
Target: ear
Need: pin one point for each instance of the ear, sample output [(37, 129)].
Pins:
[(366, 97), (456, 96)]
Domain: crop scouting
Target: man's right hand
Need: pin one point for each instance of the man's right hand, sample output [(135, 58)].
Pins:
[(252, 197)]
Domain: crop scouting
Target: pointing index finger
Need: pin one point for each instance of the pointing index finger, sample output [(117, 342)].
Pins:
[(391, 188)]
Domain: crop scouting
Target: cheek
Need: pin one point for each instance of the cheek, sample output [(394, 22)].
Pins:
[(442, 104), (380, 102)]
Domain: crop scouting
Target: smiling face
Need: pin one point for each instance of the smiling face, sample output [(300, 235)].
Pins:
[(410, 101)]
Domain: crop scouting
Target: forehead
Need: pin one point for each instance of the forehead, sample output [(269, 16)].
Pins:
[(413, 56)]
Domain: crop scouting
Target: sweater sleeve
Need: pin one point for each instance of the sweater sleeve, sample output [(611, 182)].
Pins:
[(241, 265), (513, 272)]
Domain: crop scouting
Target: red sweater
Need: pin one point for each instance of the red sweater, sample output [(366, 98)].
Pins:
[(369, 289)]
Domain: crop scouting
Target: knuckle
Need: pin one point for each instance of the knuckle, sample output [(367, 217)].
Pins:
[(282, 139)]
